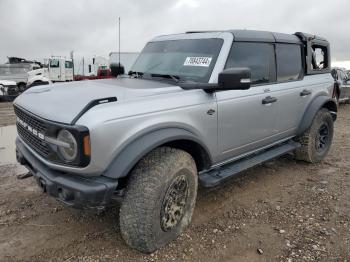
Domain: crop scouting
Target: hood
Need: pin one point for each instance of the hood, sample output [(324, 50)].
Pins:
[(39, 71), (7, 83), (64, 102)]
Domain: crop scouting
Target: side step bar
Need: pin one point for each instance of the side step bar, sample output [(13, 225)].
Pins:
[(216, 176)]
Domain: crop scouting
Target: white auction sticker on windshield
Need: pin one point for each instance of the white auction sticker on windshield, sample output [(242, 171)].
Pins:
[(197, 61)]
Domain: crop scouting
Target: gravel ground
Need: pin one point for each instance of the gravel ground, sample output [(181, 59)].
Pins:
[(7, 116), (281, 211)]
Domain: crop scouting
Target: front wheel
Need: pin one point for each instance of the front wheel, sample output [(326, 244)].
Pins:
[(317, 140), (159, 199)]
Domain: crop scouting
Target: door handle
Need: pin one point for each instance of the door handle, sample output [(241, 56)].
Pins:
[(269, 100), (305, 92)]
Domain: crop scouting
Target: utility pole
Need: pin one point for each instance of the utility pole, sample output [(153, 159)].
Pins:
[(83, 67), (72, 57), (119, 39)]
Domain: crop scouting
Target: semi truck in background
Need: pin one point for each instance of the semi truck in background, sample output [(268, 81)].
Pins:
[(98, 69), (55, 69)]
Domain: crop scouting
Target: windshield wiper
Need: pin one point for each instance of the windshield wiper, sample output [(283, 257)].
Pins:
[(176, 78), (135, 74)]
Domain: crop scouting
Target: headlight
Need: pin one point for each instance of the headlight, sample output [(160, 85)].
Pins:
[(69, 150)]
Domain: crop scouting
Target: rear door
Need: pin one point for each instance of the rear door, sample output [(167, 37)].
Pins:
[(292, 92), (247, 118)]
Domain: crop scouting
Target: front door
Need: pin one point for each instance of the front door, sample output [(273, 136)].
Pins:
[(247, 118), (54, 69)]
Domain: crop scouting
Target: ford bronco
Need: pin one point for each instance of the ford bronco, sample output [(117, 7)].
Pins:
[(196, 108)]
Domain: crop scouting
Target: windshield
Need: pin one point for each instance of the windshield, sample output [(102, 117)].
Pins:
[(192, 59)]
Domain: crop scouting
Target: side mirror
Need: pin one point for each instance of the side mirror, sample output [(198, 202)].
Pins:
[(234, 79)]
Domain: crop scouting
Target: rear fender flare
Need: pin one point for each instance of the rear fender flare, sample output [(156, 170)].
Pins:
[(315, 105)]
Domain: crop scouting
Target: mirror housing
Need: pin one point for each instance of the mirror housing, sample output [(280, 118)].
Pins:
[(234, 79)]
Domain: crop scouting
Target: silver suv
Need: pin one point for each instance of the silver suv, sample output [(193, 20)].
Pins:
[(196, 108)]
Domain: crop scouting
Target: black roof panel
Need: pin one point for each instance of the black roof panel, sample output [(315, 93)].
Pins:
[(252, 35), (263, 36), (266, 36)]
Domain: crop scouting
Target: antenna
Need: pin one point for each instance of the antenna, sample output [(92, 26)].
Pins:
[(119, 40)]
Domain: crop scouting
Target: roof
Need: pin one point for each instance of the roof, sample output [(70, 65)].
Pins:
[(263, 36), (249, 36), (257, 36)]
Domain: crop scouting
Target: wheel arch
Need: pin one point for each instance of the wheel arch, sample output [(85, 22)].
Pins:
[(21, 84), (178, 138), (315, 105)]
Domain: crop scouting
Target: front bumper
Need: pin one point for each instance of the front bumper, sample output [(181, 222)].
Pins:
[(7, 98), (73, 190)]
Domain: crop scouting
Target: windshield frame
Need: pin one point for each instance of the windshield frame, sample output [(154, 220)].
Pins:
[(218, 64)]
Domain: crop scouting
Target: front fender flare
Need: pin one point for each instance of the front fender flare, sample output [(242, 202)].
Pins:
[(139, 147), (310, 112)]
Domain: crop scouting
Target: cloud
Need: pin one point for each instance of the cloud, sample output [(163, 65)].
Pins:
[(36, 29), (186, 3)]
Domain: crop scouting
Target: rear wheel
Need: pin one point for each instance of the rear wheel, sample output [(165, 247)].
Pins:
[(159, 199), (317, 140)]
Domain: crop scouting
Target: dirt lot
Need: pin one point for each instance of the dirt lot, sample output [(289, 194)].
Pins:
[(282, 211), (7, 116)]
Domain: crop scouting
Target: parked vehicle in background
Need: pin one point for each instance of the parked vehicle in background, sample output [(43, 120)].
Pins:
[(60, 69), (195, 108), (102, 72), (342, 84), (348, 73), (126, 59), (8, 90), (17, 72), (98, 69), (56, 69)]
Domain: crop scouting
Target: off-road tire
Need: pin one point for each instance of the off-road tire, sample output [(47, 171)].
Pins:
[(308, 152), (143, 203)]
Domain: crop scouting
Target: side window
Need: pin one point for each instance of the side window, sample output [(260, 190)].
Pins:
[(69, 64), (259, 57), (54, 63), (289, 63)]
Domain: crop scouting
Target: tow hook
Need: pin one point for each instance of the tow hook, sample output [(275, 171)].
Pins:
[(42, 184)]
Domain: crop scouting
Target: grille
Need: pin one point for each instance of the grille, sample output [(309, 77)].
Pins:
[(39, 145), (12, 90)]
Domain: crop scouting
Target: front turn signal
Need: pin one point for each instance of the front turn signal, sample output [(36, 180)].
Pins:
[(87, 146)]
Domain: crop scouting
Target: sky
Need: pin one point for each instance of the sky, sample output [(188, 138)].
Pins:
[(37, 29)]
